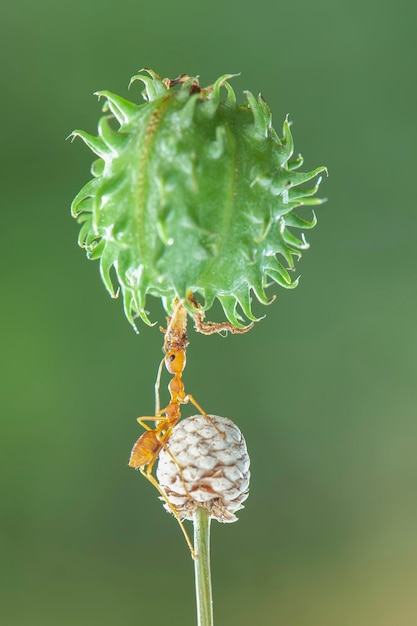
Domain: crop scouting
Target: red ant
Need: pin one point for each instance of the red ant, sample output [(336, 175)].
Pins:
[(147, 448)]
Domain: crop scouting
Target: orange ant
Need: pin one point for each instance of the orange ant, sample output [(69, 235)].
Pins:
[(147, 448)]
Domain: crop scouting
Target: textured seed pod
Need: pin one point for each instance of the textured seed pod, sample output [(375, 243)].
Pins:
[(214, 470), (192, 192)]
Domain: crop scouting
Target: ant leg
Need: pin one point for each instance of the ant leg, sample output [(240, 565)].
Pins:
[(172, 508), (157, 386), (162, 435), (163, 441), (208, 418), (149, 418)]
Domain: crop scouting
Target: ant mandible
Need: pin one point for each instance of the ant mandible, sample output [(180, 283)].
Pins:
[(147, 448)]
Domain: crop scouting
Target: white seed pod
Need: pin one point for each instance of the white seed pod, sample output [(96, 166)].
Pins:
[(200, 467)]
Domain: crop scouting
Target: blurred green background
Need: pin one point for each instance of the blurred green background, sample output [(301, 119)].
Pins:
[(324, 388)]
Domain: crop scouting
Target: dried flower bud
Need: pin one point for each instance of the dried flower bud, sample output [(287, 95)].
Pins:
[(209, 470)]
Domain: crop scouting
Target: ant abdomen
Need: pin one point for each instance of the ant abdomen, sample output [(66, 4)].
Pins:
[(145, 450)]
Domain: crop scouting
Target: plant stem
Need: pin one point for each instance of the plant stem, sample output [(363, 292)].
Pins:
[(202, 567)]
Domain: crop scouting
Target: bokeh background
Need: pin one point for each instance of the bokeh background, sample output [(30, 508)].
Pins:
[(324, 388)]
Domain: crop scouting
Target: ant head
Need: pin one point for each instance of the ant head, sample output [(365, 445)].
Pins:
[(175, 361)]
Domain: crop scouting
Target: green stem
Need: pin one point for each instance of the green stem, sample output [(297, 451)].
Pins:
[(202, 567)]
